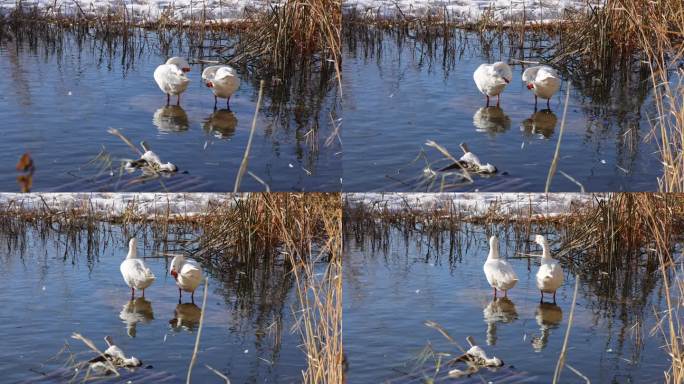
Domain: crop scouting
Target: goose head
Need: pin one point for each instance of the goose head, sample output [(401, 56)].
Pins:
[(132, 248), (541, 240), (493, 247), (176, 265), (180, 63)]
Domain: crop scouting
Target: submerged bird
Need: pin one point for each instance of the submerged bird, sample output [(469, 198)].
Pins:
[(223, 81), (135, 273), (491, 79), (550, 273), (543, 81), (500, 275), (188, 275), (171, 78)]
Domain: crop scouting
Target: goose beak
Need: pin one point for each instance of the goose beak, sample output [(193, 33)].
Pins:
[(186, 69), (210, 84), (530, 86), (174, 274), (506, 80)]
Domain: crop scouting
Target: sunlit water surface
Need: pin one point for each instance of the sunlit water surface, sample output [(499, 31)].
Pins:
[(400, 92), (389, 294), (58, 99), (48, 295)]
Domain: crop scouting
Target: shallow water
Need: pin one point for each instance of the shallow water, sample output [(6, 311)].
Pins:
[(49, 294), (390, 293), (58, 99), (401, 92)]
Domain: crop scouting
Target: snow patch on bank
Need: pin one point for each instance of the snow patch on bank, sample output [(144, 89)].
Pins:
[(541, 11), (478, 204), (116, 204), (144, 10)]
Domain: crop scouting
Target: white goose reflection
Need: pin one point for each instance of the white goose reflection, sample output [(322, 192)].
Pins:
[(221, 124), (492, 120), (135, 312), (549, 316), (171, 118), (540, 123), (186, 317), (499, 310)]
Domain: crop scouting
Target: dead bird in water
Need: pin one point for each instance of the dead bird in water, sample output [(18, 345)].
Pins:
[(470, 162), (476, 358), (151, 160), (113, 356)]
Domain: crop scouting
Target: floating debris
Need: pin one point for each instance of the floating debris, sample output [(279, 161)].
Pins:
[(151, 160), (471, 162), (113, 356)]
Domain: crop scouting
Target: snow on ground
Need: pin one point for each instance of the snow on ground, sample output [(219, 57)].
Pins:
[(468, 10), (478, 204), (115, 204), (144, 10)]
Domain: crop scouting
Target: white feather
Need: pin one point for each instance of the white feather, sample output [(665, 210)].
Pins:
[(499, 273), (491, 79), (134, 272)]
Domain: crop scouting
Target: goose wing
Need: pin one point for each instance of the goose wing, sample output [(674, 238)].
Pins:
[(136, 274)]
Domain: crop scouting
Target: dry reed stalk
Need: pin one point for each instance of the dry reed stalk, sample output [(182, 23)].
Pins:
[(199, 330), (245, 157), (319, 319), (556, 155), (564, 349)]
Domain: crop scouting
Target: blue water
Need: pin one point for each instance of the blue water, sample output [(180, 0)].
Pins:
[(57, 104), (47, 296), (397, 98), (390, 293)]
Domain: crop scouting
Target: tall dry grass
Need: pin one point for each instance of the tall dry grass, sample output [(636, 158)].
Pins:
[(648, 35), (299, 233), (624, 245)]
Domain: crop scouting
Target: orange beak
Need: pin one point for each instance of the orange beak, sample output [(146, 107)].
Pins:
[(210, 84), (186, 69), (530, 86), (174, 274)]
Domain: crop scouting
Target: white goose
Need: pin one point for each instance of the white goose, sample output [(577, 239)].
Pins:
[(223, 81), (491, 79), (134, 272), (500, 275), (188, 275), (543, 81), (171, 78), (550, 273)]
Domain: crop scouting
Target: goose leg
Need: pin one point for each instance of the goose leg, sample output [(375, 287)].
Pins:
[(506, 293), (132, 293), (554, 297), (495, 293), (542, 297), (498, 99), (143, 294), (228, 103), (215, 102), (168, 99), (548, 103), (178, 100), (192, 297), (535, 103), (179, 295), (487, 100)]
